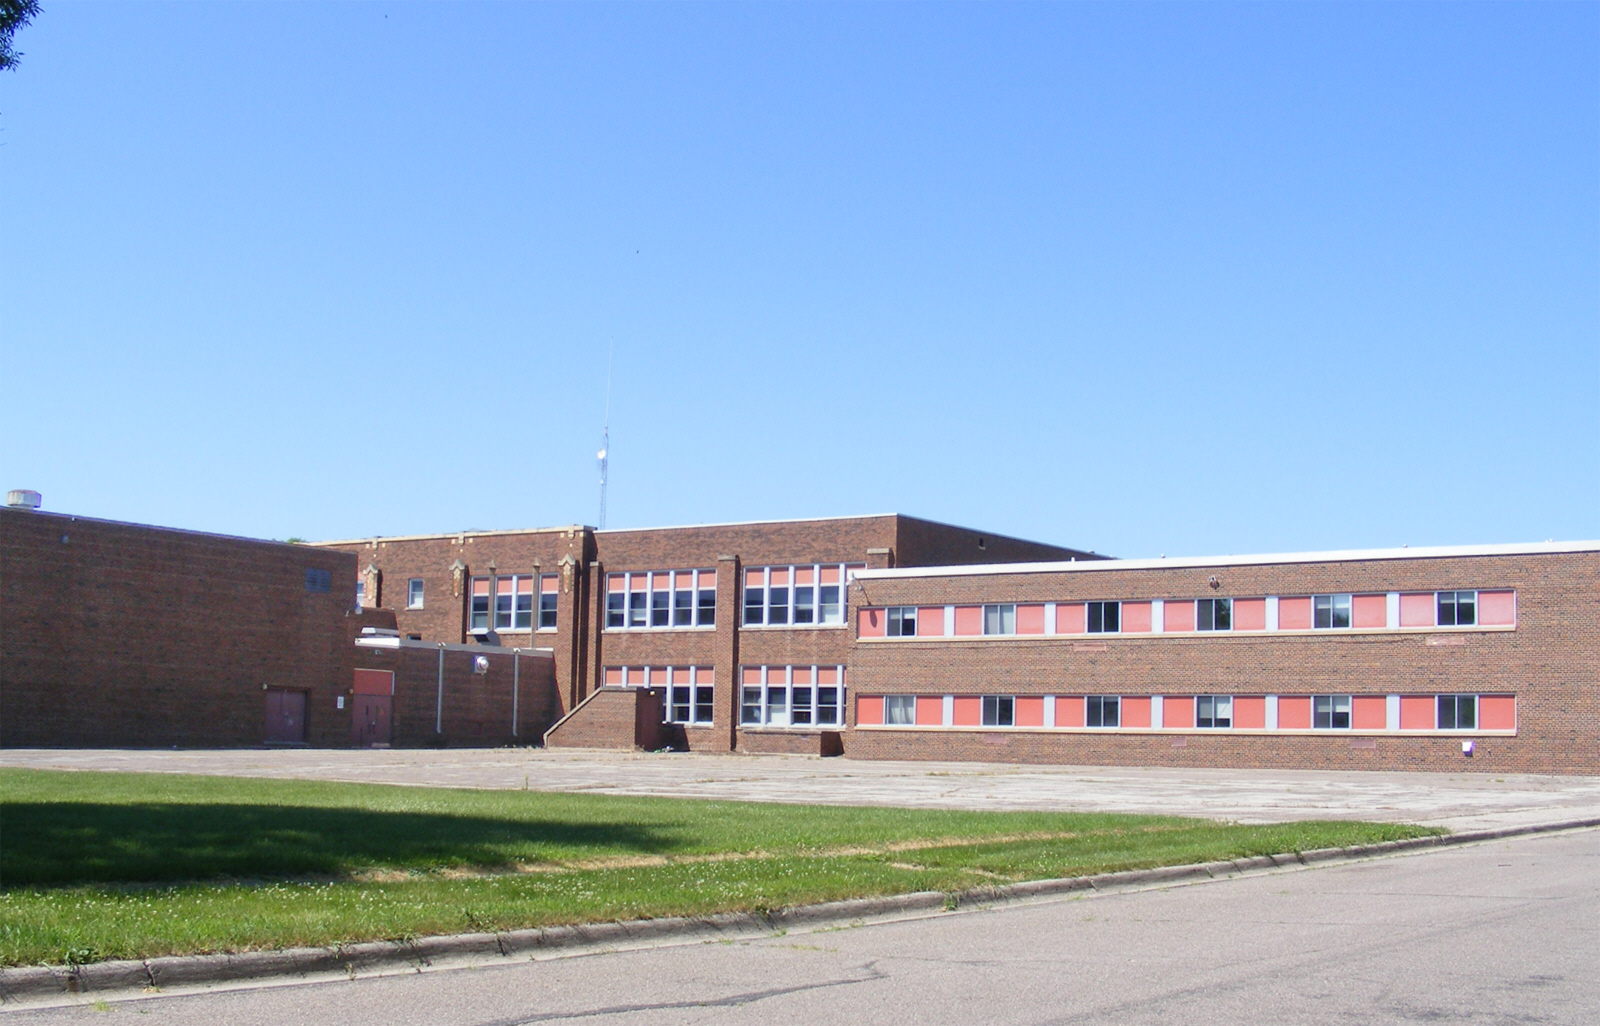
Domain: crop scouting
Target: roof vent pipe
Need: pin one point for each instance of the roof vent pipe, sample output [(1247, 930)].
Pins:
[(23, 498)]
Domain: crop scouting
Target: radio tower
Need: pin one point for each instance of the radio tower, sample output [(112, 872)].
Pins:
[(605, 438)]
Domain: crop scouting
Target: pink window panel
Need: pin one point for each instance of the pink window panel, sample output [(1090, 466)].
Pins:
[(780, 577), (968, 711), (802, 675), (1030, 619), (828, 676), (1177, 712), (1497, 608), (830, 575), (615, 676), (639, 582), (1250, 614), (1135, 711), (1069, 710), (1178, 616), (1071, 618), (658, 676), (1029, 710), (930, 711), (1369, 712), (706, 578), (525, 586), (1294, 712), (870, 623), (754, 579), (1369, 611), (969, 620), (1418, 610), (549, 584), (1417, 712), (1250, 712), (930, 621), (1135, 617), (752, 675), (1294, 614), (705, 675), (805, 575), (614, 582), (661, 580), (683, 579), (680, 675), (1497, 712), (502, 585), (480, 585), (869, 710)]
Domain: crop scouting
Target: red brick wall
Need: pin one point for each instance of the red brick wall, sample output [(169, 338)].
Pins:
[(612, 718), (926, 543), (477, 708)]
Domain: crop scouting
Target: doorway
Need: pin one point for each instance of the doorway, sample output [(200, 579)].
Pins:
[(286, 717), (372, 708)]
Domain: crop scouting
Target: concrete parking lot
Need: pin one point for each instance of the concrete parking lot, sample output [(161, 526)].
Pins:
[(1459, 801)]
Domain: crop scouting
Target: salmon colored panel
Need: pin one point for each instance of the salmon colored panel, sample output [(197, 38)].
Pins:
[(1369, 712), (614, 675), (870, 623), (480, 586), (805, 575), (639, 582), (754, 578), (658, 676), (1069, 711), (780, 578), (1071, 618), (1177, 711), (1178, 616), (968, 711), (374, 682), (1029, 711), (969, 619), (869, 710), (1250, 614), (1497, 608), (1294, 712), (1135, 712), (1497, 712), (1368, 611), (830, 575), (503, 585), (930, 621), (802, 675), (549, 584), (1417, 712), (930, 710), (661, 580), (706, 578), (525, 585), (1418, 610), (705, 675), (614, 582), (1294, 614), (752, 675), (1030, 619), (828, 676), (1250, 712), (1135, 617), (680, 675)]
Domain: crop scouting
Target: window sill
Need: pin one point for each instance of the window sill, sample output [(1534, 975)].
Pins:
[(798, 627), (1189, 731), (1327, 632)]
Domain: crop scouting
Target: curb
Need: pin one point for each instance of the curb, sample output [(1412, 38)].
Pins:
[(35, 982)]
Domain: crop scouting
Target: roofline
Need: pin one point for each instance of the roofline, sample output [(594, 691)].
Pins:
[(586, 527), (450, 534), (1198, 562), (750, 523), (1007, 537), (76, 519)]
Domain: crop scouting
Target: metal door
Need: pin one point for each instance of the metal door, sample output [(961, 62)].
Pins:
[(369, 720), (286, 716)]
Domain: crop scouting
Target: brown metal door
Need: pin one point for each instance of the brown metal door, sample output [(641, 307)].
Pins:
[(369, 720), (286, 716)]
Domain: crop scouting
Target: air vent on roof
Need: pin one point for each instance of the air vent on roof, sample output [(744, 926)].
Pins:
[(23, 498)]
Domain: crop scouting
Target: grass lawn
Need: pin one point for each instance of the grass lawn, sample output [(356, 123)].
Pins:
[(121, 865)]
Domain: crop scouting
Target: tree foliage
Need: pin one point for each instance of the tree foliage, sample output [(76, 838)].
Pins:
[(13, 15)]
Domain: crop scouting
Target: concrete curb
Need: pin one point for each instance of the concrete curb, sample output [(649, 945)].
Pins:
[(42, 982)]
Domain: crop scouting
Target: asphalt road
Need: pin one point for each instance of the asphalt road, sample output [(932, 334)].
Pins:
[(1506, 932)]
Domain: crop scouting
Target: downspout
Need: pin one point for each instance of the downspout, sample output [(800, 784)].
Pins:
[(438, 706), (516, 667)]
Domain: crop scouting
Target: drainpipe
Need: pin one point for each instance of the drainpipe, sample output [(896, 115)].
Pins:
[(516, 666), (438, 706)]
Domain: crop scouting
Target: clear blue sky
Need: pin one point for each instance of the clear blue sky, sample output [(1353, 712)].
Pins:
[(1145, 279)]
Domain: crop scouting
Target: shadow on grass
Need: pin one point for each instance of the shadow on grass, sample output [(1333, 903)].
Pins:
[(55, 843)]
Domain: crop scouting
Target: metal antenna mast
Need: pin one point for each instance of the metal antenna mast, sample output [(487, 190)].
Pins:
[(605, 436)]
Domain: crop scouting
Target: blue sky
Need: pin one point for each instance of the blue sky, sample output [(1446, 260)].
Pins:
[(1139, 278)]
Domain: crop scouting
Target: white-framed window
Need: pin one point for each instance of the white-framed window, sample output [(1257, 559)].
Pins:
[(361, 592), (1213, 711), (479, 604), (1330, 712), (657, 599), (1330, 612), (799, 595), (1000, 619), (1213, 614), (690, 696), (414, 593), (1458, 712), (791, 696), (999, 710), (902, 621), (513, 602), (1104, 618), (900, 710), (1102, 710), (1458, 608), (549, 598)]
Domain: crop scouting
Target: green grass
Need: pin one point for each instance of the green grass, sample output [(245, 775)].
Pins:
[(108, 865)]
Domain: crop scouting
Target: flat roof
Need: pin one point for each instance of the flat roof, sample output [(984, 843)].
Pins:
[(1199, 562)]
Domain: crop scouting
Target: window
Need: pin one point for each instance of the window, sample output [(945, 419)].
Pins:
[(414, 593), (902, 621), (804, 596), (689, 703), (319, 580), (900, 709), (1000, 619), (655, 599), (1101, 710), (999, 710), (1458, 608), (361, 591), (1213, 711), (792, 696), (478, 609), (1330, 611), (1330, 712), (548, 596), (1213, 614), (750, 705), (1458, 712), (827, 706), (1105, 617), (513, 603)]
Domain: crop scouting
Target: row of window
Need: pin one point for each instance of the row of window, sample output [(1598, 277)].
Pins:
[(688, 688), (791, 696), (1306, 612), (507, 602), (781, 596), (661, 598), (1199, 712)]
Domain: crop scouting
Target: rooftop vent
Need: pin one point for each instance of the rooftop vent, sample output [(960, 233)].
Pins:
[(23, 498)]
